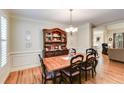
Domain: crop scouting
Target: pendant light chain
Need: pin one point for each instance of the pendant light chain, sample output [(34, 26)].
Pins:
[(71, 17)]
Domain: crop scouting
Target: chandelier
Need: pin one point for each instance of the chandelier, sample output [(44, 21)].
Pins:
[(71, 29)]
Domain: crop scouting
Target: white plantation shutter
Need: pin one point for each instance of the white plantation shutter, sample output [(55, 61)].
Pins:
[(3, 41)]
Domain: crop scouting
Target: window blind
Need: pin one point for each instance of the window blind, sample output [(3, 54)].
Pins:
[(3, 41)]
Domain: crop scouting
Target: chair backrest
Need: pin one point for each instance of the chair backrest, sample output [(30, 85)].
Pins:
[(43, 53), (75, 62), (89, 55), (90, 60), (72, 50), (91, 51), (41, 60), (42, 65)]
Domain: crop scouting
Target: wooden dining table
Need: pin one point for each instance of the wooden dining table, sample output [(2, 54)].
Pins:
[(58, 62)]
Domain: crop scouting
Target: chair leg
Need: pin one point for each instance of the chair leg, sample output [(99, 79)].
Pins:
[(94, 70), (42, 79), (45, 81), (80, 78), (61, 78), (92, 73), (83, 73), (96, 62), (54, 79), (86, 75), (70, 78)]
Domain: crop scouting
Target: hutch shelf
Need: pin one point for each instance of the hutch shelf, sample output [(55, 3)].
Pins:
[(55, 41)]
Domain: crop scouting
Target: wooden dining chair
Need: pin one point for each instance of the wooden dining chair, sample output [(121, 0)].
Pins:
[(93, 54), (92, 51), (72, 50), (89, 65), (48, 75), (74, 69)]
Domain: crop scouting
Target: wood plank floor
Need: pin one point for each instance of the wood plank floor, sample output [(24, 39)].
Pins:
[(107, 73)]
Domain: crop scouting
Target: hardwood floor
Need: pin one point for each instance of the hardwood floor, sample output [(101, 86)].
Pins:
[(107, 73), (27, 76)]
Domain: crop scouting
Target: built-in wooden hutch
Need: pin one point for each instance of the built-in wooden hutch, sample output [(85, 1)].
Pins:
[(55, 41)]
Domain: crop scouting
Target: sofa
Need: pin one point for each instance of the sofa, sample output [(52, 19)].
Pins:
[(116, 54)]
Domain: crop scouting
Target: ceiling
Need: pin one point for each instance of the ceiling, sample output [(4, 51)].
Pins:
[(80, 16)]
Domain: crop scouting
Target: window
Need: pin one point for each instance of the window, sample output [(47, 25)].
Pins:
[(3, 41)]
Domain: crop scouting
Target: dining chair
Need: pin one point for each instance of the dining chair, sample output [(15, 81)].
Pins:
[(89, 65), (48, 75), (72, 50), (92, 51), (74, 69)]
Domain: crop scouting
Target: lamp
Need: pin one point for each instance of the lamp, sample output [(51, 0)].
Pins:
[(71, 29)]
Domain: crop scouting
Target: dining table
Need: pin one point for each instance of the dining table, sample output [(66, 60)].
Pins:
[(58, 62)]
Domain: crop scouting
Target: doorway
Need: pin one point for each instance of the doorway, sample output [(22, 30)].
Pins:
[(98, 39)]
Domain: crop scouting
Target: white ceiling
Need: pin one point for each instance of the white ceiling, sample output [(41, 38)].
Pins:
[(80, 16)]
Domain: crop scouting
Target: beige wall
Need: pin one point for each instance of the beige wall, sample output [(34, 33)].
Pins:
[(84, 37), (72, 40)]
